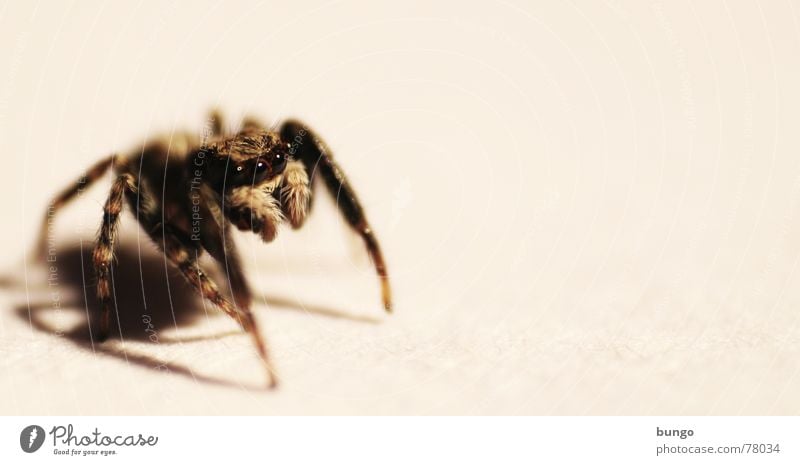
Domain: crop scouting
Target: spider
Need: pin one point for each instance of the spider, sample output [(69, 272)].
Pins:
[(186, 190)]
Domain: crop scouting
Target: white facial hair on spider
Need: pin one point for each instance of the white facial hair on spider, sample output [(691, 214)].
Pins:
[(256, 208)]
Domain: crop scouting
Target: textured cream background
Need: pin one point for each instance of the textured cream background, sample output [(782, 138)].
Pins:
[(586, 207)]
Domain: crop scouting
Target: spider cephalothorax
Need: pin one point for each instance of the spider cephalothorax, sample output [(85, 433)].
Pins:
[(257, 179), (186, 191)]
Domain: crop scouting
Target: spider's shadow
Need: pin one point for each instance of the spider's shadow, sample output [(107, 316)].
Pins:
[(150, 296)]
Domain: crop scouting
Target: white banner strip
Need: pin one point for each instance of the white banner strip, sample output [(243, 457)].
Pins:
[(400, 440)]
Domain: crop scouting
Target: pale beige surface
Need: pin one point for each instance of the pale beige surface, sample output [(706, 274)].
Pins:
[(586, 208)]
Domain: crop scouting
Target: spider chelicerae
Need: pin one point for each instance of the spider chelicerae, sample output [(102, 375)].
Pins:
[(187, 189)]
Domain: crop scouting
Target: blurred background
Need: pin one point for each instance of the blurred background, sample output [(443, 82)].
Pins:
[(586, 207)]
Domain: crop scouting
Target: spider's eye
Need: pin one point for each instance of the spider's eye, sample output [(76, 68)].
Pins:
[(260, 166), (239, 169), (278, 161)]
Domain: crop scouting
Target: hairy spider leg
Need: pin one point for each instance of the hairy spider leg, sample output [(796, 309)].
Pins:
[(93, 174), (318, 159), (103, 254), (180, 253), (220, 245)]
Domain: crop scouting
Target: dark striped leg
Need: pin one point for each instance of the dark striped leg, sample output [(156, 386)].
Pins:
[(179, 251), (318, 160), (104, 250), (221, 247), (93, 174)]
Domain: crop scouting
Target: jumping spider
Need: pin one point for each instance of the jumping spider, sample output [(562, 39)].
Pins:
[(186, 191)]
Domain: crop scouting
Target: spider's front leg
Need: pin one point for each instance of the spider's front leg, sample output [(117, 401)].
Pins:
[(220, 245), (183, 255), (318, 159), (295, 193)]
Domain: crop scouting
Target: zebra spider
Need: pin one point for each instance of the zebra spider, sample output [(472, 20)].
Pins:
[(187, 190)]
